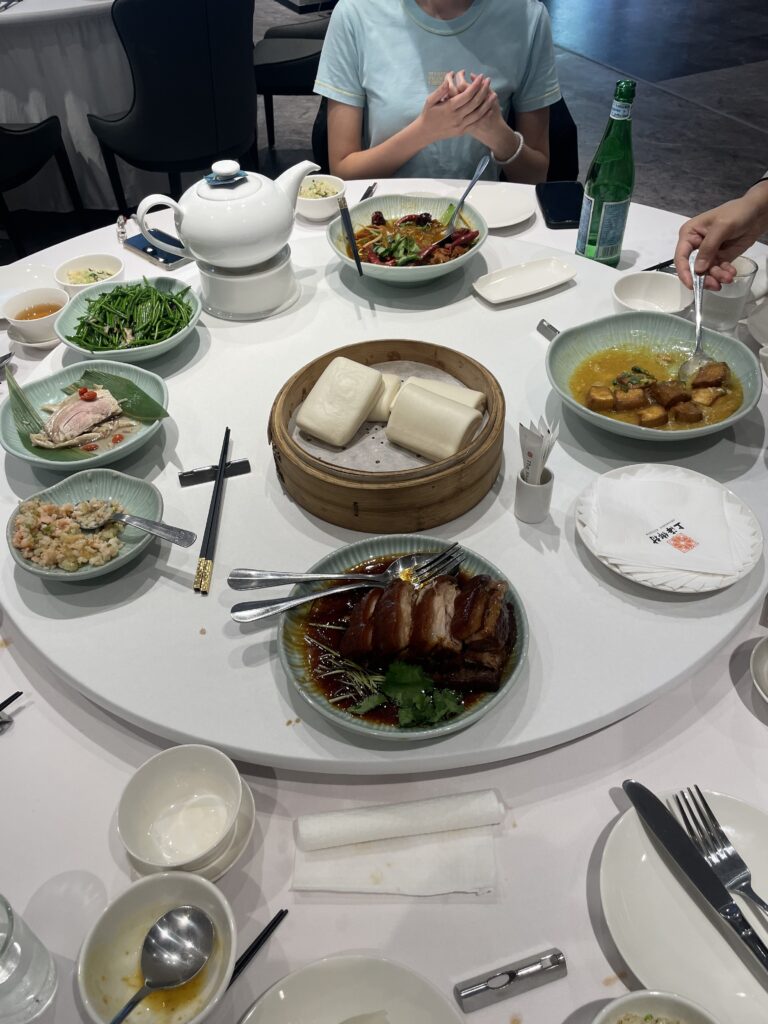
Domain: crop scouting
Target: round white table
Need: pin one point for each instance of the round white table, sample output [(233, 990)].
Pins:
[(64, 762)]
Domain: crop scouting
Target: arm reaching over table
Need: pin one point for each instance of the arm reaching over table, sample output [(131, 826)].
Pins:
[(721, 235)]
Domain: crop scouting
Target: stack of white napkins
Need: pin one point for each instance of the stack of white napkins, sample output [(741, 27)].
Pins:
[(422, 848), (655, 522)]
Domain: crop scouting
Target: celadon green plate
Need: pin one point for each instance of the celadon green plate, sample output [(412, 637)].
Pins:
[(66, 322), (49, 389), (398, 206), (661, 332), (292, 648), (136, 496)]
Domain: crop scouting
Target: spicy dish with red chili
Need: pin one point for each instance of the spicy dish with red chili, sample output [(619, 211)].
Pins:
[(415, 239)]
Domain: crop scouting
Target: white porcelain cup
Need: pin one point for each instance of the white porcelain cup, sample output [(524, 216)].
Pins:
[(40, 330), (532, 501)]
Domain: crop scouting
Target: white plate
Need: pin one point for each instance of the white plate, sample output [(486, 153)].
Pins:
[(502, 204), (665, 937), (218, 867), (523, 279), (18, 277), (746, 535)]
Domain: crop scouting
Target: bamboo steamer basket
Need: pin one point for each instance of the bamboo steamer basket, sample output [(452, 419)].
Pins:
[(401, 501)]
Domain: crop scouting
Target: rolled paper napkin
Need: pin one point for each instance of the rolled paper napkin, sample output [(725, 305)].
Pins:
[(661, 524), (422, 848)]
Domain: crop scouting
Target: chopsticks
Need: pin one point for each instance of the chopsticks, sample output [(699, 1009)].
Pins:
[(349, 231), (9, 700), (242, 961), (205, 561), (660, 266), (369, 191)]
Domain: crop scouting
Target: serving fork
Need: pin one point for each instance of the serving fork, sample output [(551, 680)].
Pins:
[(705, 830), (442, 563)]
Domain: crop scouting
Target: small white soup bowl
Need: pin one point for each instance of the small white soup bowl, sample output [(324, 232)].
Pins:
[(180, 808), (651, 290), (321, 207), (660, 1004), (95, 261), (108, 967), (41, 330)]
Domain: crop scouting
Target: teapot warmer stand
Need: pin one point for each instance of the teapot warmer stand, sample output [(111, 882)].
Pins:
[(249, 293)]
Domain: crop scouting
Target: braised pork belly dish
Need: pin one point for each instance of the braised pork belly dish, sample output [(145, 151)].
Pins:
[(641, 386), (409, 657)]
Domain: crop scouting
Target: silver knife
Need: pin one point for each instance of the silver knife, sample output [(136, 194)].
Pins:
[(681, 849)]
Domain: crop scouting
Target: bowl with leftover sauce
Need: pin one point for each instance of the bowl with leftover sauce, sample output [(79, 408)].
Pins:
[(33, 313), (651, 290), (130, 321), (396, 238), (649, 1007), (81, 272), (620, 373), (180, 808), (319, 196), (359, 988), (108, 967), (45, 538)]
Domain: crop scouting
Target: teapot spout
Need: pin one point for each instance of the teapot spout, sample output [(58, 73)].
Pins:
[(290, 181)]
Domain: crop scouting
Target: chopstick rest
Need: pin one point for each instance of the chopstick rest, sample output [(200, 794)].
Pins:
[(205, 474), (513, 979)]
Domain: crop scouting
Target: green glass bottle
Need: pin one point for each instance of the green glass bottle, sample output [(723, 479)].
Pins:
[(609, 184)]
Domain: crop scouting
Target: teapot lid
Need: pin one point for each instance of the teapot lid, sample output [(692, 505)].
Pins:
[(227, 182)]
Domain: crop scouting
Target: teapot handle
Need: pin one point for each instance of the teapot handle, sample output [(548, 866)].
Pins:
[(148, 204)]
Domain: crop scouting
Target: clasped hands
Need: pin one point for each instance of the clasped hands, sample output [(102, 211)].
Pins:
[(461, 106)]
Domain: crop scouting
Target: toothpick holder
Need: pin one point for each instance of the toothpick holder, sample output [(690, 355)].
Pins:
[(532, 501)]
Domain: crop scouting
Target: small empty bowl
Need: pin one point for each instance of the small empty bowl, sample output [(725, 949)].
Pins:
[(651, 290), (39, 330), (108, 968), (758, 667), (649, 1005), (180, 808), (319, 206), (83, 271)]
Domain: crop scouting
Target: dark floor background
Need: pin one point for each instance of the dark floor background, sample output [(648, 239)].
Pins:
[(700, 120)]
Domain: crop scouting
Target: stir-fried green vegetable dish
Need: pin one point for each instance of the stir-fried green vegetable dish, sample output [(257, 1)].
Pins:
[(130, 316)]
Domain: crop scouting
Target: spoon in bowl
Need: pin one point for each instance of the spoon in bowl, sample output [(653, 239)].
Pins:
[(694, 363), (89, 521), (176, 948), (482, 164)]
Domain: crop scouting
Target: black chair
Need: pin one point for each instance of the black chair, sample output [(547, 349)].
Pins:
[(193, 100), (307, 28), (24, 150), (284, 67), (563, 141)]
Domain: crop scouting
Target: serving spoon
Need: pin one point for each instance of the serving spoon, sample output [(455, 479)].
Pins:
[(176, 948), (694, 363), (91, 521)]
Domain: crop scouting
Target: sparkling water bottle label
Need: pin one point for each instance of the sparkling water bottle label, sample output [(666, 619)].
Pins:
[(586, 216), (613, 220), (620, 111)]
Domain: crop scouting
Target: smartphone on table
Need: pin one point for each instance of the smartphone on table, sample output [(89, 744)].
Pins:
[(560, 202), (150, 249)]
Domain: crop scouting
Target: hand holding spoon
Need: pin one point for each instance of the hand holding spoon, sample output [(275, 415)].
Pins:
[(176, 948), (694, 363)]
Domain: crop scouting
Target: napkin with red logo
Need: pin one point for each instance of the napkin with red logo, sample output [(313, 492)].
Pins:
[(661, 523)]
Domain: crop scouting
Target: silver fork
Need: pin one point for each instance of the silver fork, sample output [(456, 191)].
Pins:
[(445, 563), (705, 830)]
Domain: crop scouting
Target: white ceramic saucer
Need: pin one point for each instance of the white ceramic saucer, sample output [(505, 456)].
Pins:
[(216, 868), (503, 204), (523, 279)]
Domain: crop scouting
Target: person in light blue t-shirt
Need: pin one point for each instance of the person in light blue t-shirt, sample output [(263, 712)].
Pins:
[(422, 88)]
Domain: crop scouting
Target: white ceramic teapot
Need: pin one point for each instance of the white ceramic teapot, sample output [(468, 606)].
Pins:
[(232, 218)]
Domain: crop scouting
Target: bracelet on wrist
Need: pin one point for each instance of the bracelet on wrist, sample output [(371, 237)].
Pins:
[(515, 155)]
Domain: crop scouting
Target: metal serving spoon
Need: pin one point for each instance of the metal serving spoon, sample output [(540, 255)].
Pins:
[(176, 948), (174, 534), (694, 363), (257, 579), (482, 164)]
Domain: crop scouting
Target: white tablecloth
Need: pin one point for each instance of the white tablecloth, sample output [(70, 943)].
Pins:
[(64, 762), (64, 57)]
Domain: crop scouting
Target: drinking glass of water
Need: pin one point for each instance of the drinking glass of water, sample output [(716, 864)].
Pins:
[(27, 970), (722, 310)]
